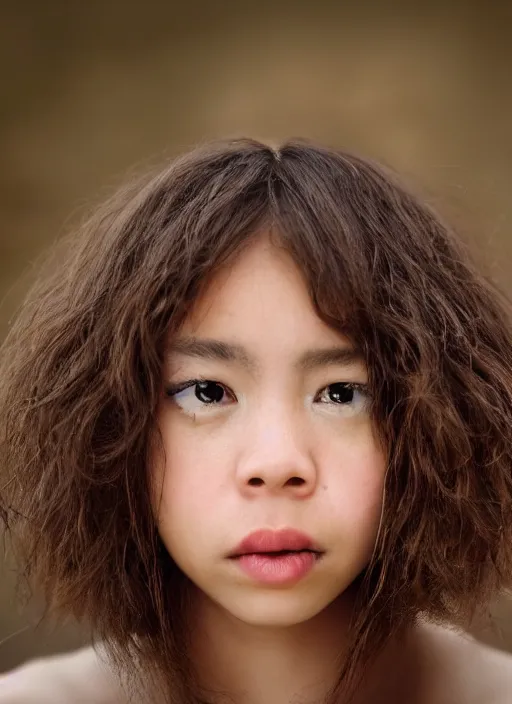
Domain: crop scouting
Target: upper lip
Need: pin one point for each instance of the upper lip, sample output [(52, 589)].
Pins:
[(274, 541)]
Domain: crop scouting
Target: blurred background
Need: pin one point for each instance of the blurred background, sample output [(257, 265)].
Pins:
[(91, 90)]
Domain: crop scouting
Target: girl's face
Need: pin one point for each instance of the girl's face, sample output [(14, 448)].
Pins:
[(265, 425)]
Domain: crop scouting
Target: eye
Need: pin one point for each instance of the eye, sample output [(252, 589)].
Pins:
[(346, 398), (196, 395)]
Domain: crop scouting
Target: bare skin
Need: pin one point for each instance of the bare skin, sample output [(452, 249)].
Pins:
[(429, 665), (454, 668), (299, 662), (438, 667)]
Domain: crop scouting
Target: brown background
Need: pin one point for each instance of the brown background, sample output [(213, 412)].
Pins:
[(90, 89)]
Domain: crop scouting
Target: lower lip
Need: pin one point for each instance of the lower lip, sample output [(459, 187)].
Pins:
[(277, 569)]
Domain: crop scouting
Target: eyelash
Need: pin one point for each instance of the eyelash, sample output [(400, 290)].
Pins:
[(171, 390)]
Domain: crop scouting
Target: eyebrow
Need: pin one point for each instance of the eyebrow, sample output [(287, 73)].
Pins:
[(218, 350)]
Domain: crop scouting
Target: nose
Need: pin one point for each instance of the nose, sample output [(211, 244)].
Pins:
[(277, 459)]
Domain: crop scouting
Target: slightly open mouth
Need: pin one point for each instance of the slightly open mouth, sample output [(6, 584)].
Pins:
[(279, 553)]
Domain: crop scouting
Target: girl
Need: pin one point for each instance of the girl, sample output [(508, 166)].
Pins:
[(256, 432)]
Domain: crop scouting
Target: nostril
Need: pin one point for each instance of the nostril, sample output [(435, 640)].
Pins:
[(292, 481)]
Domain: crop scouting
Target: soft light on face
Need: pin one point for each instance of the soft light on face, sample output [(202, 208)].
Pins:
[(275, 434)]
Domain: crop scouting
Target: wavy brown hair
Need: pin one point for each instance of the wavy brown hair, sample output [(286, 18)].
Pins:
[(80, 380)]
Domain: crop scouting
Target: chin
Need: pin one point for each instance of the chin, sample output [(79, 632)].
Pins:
[(277, 608)]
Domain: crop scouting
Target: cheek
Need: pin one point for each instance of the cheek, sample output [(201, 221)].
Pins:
[(356, 486), (186, 493)]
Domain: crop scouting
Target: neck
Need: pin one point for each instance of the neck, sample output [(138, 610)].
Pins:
[(260, 664), (239, 663)]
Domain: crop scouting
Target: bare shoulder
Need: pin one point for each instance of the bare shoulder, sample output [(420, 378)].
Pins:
[(78, 677), (461, 670)]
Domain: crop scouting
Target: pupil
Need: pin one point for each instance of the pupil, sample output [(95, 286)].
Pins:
[(340, 393), (209, 392)]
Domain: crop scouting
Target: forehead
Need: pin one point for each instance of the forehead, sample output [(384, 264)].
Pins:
[(262, 282), (258, 310)]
